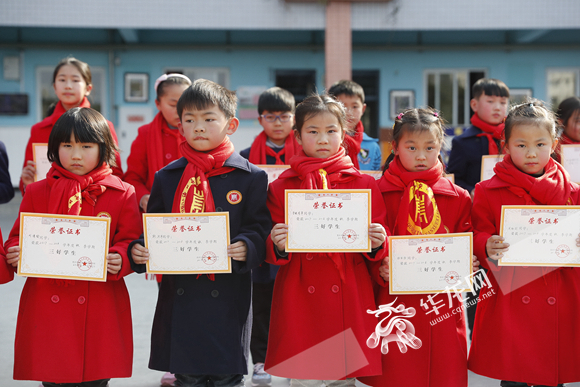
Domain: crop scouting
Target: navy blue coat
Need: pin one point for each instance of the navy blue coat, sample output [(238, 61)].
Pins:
[(198, 323), (465, 157), (264, 273), (6, 189)]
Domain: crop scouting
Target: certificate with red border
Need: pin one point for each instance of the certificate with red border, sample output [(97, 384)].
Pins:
[(63, 246), (540, 235), (450, 177), (328, 220), (273, 170), (425, 264), (187, 243), (488, 162), (570, 156), (39, 151)]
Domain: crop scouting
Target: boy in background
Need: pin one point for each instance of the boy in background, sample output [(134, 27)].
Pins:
[(366, 148)]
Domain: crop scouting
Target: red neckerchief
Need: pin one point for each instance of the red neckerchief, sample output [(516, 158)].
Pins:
[(70, 192), (193, 193), (59, 110), (492, 132), (317, 173), (260, 150), (418, 212), (155, 155), (352, 143), (553, 187)]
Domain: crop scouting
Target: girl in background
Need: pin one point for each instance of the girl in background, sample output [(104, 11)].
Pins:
[(569, 119)]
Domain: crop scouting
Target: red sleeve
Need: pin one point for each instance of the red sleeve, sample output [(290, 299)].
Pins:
[(6, 273), (137, 165), (484, 226), (129, 228), (118, 170), (275, 204)]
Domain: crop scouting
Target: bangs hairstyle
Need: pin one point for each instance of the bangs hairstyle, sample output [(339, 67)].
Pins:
[(491, 87), (316, 104), (417, 121), (567, 108), (81, 66), (347, 87), (203, 94), (171, 80), (276, 99), (531, 112), (87, 126)]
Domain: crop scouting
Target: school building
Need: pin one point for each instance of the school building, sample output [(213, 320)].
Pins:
[(404, 53)]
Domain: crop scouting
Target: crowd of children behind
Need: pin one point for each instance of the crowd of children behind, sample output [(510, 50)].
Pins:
[(302, 316)]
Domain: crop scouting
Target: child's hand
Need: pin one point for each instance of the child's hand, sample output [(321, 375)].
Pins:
[(238, 251), (143, 202), (114, 263), (279, 235), (28, 173), (475, 264), (384, 269), (13, 255), (377, 234), (140, 254), (495, 247)]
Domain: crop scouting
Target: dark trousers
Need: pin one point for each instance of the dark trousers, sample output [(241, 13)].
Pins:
[(505, 383), (261, 307), (186, 380), (94, 383)]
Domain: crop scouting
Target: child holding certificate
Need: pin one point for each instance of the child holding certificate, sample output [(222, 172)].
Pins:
[(201, 329), (72, 82), (526, 333), (413, 183), (78, 331), (318, 330), (569, 118)]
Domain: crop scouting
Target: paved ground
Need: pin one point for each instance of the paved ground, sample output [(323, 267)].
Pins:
[(143, 298)]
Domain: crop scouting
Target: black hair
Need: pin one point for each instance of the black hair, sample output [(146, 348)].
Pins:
[(491, 87), (276, 99), (203, 94), (567, 108), (347, 87), (87, 126), (316, 104), (171, 80), (531, 112), (81, 66)]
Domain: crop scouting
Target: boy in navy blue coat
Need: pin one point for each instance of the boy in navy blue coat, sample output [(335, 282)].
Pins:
[(489, 103), (201, 327)]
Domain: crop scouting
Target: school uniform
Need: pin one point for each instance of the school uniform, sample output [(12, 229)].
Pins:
[(527, 331), (71, 331), (200, 325), (319, 327), (369, 156), (441, 361), (40, 133)]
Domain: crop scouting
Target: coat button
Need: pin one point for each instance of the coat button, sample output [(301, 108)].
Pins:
[(311, 289), (218, 209), (168, 156), (309, 257), (224, 175), (82, 300), (180, 291), (335, 288), (526, 299), (551, 300), (54, 299), (215, 293)]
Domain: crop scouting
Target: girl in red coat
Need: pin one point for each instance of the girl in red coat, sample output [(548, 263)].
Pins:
[(413, 175), (157, 143), (319, 328), (75, 331), (527, 332), (72, 82), (569, 119)]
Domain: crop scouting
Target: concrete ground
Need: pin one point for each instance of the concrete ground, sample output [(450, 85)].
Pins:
[(143, 298)]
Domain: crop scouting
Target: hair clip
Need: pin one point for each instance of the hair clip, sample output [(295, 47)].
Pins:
[(531, 104), (164, 77), (436, 114), (401, 114)]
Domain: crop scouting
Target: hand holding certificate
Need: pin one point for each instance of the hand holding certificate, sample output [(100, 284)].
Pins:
[(187, 244), (63, 246), (540, 235), (41, 160)]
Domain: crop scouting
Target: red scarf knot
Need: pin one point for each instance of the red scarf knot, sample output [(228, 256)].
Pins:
[(352, 143), (260, 150), (492, 132)]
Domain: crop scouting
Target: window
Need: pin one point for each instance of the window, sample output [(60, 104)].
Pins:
[(219, 75), (301, 83), (562, 83), (449, 91), (369, 80), (45, 92)]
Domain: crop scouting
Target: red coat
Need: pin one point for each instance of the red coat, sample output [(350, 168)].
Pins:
[(311, 304), (529, 334), (442, 359), (40, 133), (138, 164), (6, 272), (74, 331)]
